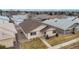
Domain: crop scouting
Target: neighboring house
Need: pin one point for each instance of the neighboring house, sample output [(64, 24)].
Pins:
[(4, 19), (65, 25), (43, 17), (33, 29), (7, 34), (19, 18), (6, 13), (48, 30)]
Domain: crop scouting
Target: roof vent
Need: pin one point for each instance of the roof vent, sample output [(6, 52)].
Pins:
[(55, 20), (73, 19)]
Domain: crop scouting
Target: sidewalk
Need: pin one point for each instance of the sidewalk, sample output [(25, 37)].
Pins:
[(45, 42), (64, 44)]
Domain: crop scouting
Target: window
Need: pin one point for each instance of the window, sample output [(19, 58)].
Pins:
[(44, 32), (67, 30), (33, 33), (54, 31)]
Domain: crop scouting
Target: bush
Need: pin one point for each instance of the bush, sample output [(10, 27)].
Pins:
[(57, 35), (2, 47), (47, 37)]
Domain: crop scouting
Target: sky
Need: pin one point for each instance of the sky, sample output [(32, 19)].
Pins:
[(39, 4)]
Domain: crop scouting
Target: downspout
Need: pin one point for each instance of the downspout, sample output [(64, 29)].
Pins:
[(64, 32)]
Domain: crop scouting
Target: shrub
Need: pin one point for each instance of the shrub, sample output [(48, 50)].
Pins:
[(2, 47)]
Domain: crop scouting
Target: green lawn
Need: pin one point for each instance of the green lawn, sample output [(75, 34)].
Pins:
[(34, 44), (62, 38)]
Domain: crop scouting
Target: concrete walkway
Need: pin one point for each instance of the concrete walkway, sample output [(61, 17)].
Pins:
[(64, 44), (45, 42)]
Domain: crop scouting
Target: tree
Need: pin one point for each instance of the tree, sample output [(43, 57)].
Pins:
[(47, 37), (57, 35), (10, 20), (73, 31), (50, 13), (0, 12)]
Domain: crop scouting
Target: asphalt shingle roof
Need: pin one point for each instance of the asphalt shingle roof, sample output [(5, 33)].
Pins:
[(29, 25)]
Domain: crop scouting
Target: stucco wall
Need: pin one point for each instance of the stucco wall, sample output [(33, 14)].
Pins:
[(37, 30), (38, 34), (50, 33)]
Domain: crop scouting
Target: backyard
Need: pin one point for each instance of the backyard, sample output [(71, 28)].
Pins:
[(62, 38), (33, 44), (38, 44)]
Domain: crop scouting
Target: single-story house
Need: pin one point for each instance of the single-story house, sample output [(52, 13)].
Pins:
[(65, 25), (4, 19), (19, 18), (7, 34), (43, 17), (33, 29)]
